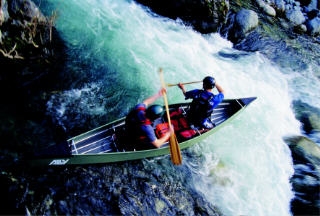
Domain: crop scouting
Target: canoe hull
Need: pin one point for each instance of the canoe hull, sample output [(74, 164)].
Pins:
[(110, 157)]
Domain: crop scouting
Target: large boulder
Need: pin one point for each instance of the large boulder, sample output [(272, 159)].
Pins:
[(205, 16), (246, 20), (306, 178), (240, 24)]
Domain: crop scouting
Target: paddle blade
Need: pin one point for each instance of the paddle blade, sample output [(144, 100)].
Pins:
[(175, 150)]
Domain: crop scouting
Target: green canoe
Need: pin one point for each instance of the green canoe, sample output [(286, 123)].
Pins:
[(105, 144)]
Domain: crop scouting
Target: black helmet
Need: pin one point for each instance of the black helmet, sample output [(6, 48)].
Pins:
[(153, 112), (209, 82)]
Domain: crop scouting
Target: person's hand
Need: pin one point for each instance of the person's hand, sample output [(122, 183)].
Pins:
[(169, 133), (162, 91), (171, 130), (180, 85)]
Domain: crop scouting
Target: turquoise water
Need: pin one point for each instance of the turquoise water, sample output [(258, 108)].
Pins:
[(121, 46)]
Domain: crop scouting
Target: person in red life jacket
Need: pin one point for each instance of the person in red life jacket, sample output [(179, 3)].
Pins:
[(203, 103), (139, 124)]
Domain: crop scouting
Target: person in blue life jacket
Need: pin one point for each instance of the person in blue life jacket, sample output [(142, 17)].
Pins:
[(139, 124), (203, 103)]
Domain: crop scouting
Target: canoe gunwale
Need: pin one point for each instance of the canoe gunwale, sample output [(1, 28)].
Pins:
[(109, 157)]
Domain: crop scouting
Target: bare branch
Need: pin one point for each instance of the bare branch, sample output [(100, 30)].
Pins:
[(8, 54)]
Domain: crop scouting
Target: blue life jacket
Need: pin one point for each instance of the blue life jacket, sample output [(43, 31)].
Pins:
[(201, 108)]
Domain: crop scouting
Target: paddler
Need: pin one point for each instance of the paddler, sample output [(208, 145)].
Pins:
[(204, 101), (139, 124)]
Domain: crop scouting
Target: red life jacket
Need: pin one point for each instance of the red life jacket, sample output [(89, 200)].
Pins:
[(178, 121), (162, 129), (180, 125)]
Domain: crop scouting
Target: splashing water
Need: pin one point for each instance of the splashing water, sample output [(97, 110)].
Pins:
[(248, 165)]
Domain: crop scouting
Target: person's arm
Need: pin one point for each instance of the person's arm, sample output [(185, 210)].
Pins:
[(181, 86), (154, 97), (159, 142), (220, 89)]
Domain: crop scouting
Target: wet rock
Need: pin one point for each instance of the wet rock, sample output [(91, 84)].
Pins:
[(205, 16), (240, 24), (63, 207), (266, 8), (246, 20), (313, 5), (295, 16), (280, 6), (308, 115), (305, 2), (305, 151), (306, 178), (313, 14), (300, 29), (314, 26), (25, 10), (4, 14)]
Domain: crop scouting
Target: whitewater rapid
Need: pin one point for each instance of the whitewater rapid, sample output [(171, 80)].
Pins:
[(247, 165)]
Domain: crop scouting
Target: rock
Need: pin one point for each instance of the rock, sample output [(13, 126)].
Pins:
[(313, 14), (25, 9), (4, 14), (304, 2), (295, 16), (306, 178), (242, 23), (266, 8), (247, 20), (288, 7), (312, 6), (308, 115), (205, 16), (313, 26), (280, 6), (300, 29), (305, 151)]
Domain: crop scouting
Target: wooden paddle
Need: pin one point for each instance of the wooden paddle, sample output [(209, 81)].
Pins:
[(170, 85), (173, 142)]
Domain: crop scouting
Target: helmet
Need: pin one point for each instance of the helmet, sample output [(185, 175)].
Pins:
[(209, 82), (153, 112)]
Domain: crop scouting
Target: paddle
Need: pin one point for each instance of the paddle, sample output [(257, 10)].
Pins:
[(170, 85), (173, 142)]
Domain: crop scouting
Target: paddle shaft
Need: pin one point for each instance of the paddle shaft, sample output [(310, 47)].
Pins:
[(174, 146), (187, 83)]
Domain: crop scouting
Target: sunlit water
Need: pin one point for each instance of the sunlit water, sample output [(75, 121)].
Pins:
[(247, 165)]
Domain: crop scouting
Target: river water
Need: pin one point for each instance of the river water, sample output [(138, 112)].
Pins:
[(115, 49)]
